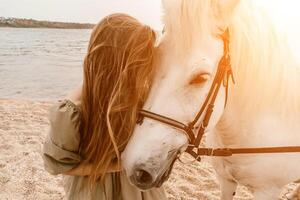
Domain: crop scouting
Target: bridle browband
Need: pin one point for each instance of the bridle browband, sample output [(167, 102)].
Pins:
[(223, 74)]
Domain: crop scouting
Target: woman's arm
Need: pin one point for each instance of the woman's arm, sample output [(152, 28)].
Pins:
[(87, 169), (80, 170)]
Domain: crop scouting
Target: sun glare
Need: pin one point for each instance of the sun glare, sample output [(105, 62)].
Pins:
[(285, 12), (286, 16)]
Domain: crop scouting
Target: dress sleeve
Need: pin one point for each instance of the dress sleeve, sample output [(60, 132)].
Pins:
[(60, 150)]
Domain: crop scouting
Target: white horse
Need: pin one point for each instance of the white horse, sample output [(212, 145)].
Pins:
[(263, 107)]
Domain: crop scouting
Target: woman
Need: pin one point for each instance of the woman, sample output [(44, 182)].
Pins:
[(90, 129)]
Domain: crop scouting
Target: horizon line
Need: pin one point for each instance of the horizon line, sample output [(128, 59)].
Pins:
[(91, 23)]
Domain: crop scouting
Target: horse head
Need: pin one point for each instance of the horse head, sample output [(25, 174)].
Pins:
[(186, 66)]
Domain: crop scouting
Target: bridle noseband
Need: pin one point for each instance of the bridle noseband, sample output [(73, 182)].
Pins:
[(223, 74)]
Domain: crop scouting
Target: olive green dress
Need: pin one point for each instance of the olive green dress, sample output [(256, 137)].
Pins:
[(60, 154)]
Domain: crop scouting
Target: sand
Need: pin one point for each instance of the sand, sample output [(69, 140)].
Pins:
[(23, 127)]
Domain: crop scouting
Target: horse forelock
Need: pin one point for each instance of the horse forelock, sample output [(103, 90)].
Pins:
[(187, 21)]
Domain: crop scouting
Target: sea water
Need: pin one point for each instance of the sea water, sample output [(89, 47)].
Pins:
[(41, 64)]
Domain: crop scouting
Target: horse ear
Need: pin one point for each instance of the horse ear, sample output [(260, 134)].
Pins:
[(223, 11)]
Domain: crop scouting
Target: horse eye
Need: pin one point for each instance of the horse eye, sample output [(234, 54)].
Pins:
[(199, 78)]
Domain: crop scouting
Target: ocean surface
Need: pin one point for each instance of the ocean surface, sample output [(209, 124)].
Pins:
[(46, 64), (41, 64)]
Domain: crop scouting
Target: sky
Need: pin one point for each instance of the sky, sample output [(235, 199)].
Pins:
[(85, 11), (92, 11)]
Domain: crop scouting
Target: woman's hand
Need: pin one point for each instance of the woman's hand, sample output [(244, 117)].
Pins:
[(87, 170)]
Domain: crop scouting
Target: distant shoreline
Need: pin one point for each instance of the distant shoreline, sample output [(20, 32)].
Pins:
[(9, 27), (31, 23)]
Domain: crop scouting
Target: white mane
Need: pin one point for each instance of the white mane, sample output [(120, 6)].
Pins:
[(265, 71)]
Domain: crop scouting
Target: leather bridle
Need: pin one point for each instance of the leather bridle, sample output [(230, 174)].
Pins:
[(223, 74)]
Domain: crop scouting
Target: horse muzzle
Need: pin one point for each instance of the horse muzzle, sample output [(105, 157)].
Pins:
[(146, 178)]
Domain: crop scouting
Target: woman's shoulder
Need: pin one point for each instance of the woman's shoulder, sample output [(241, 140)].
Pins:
[(60, 149), (67, 105), (65, 118), (66, 108)]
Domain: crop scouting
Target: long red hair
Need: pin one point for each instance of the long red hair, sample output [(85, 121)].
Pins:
[(118, 72)]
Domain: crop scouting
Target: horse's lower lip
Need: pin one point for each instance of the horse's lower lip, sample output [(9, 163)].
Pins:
[(161, 179), (165, 176)]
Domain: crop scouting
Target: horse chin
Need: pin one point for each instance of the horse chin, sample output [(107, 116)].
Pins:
[(161, 179), (167, 168)]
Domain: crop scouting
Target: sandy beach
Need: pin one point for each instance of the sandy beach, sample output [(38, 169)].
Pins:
[(23, 127)]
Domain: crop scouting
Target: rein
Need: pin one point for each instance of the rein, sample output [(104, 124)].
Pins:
[(223, 74)]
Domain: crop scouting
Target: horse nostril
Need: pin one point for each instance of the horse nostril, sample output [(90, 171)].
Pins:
[(143, 176)]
